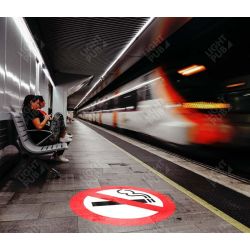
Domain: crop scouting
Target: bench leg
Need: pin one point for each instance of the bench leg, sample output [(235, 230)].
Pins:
[(53, 173)]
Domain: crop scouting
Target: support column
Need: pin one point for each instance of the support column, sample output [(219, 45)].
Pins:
[(60, 101)]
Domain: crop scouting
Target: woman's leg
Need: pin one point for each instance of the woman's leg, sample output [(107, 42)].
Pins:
[(57, 127), (60, 152)]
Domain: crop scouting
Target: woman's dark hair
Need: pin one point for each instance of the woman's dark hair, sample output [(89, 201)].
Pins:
[(28, 99), (40, 98)]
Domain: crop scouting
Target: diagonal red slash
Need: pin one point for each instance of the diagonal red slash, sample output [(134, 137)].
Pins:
[(128, 202)]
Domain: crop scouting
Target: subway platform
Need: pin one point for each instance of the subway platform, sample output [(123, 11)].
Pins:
[(99, 158)]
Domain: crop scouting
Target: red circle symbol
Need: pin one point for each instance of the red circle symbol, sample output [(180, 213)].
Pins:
[(122, 205)]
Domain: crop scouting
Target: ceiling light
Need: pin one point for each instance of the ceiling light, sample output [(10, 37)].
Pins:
[(26, 35), (118, 57), (236, 85), (2, 72), (191, 70)]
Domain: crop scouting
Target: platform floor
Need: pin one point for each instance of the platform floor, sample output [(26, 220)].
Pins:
[(43, 206)]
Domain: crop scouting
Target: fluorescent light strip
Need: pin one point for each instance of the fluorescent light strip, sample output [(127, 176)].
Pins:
[(25, 85), (236, 85), (17, 80), (13, 95), (187, 69), (206, 105), (118, 57), (124, 92), (194, 69), (116, 109), (32, 86), (46, 72), (13, 77), (25, 32), (2, 72)]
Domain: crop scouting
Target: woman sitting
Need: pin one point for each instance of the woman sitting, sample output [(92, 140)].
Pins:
[(35, 120)]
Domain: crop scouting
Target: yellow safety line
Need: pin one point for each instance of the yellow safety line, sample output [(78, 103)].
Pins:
[(196, 198)]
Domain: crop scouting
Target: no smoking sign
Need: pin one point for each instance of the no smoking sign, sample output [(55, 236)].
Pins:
[(122, 205)]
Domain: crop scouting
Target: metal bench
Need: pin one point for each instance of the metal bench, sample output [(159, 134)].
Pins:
[(28, 147)]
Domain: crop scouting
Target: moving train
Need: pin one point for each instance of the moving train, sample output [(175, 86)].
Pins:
[(198, 93), (151, 105)]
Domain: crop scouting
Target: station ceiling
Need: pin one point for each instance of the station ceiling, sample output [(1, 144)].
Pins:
[(78, 50)]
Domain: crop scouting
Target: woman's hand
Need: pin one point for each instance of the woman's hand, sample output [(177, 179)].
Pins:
[(40, 125), (48, 117)]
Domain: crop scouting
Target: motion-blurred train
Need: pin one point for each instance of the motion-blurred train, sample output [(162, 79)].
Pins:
[(152, 106), (177, 110), (199, 93)]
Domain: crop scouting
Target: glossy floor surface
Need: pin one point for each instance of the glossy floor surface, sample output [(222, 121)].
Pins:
[(41, 204)]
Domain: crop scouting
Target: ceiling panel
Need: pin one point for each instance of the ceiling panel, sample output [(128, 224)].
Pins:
[(82, 46)]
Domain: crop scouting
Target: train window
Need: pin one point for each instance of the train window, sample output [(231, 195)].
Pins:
[(116, 102), (128, 100), (140, 95), (104, 105), (148, 92), (144, 93), (110, 104), (97, 107), (240, 101)]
